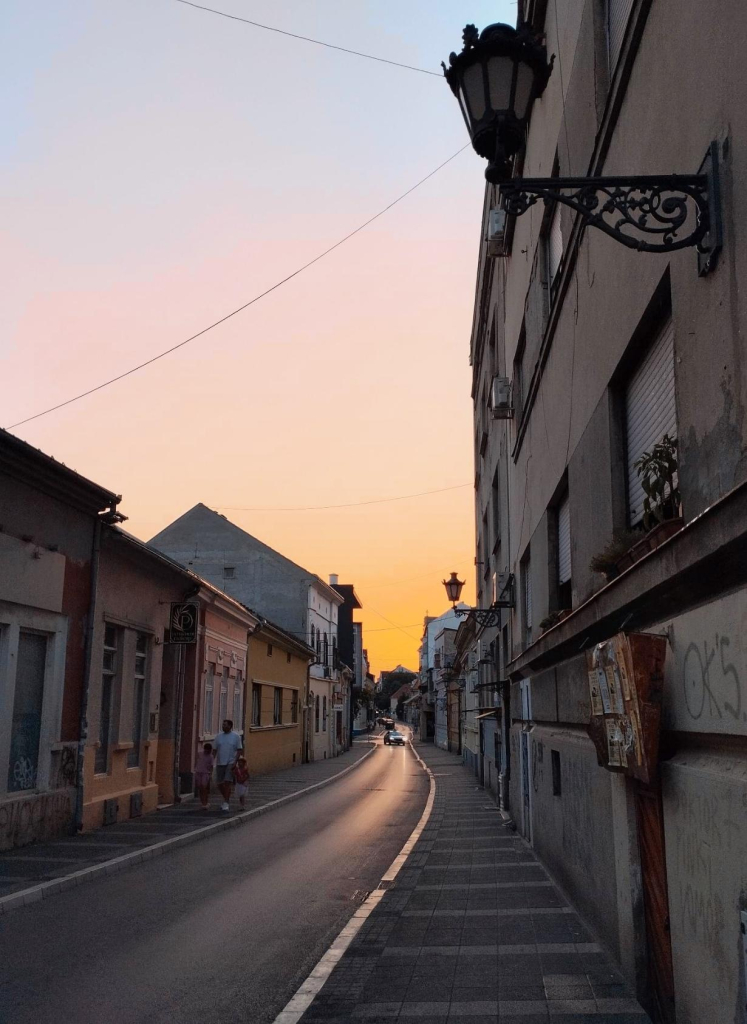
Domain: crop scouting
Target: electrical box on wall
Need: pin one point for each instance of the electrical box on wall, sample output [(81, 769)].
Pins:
[(496, 233), (500, 398)]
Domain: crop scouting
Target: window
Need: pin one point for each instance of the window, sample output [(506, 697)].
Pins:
[(313, 640), (553, 245), (555, 760), (325, 649), (108, 678), (229, 572), (223, 696), (518, 381), (238, 697), (288, 657), (207, 716), (618, 15), (526, 576), (294, 706), (564, 555), (650, 411), (138, 700), (23, 763), (324, 714), (269, 650), (485, 546), (335, 662), (256, 704), (495, 504), (277, 706), (316, 713)]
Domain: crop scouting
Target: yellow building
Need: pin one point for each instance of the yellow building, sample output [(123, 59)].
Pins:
[(275, 727)]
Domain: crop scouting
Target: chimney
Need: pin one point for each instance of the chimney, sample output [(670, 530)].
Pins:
[(333, 579)]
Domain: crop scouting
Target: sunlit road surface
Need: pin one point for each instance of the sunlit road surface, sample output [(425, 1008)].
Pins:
[(224, 930)]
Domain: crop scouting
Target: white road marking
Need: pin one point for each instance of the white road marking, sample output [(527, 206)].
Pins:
[(305, 995)]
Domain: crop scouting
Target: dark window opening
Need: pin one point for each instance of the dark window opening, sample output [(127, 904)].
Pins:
[(555, 759)]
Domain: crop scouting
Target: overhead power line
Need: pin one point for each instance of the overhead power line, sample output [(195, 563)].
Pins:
[(308, 39), (240, 309), (348, 504)]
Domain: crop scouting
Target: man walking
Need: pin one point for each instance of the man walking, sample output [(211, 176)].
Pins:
[(227, 746)]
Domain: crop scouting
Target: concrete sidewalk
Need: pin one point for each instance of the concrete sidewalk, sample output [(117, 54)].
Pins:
[(32, 872), (473, 930)]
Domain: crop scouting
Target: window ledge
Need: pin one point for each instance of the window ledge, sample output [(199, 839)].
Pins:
[(123, 746), (703, 560), (270, 728)]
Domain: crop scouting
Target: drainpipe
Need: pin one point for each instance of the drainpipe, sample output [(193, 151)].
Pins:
[(88, 657)]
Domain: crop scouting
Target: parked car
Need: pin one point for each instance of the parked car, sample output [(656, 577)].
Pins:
[(395, 738)]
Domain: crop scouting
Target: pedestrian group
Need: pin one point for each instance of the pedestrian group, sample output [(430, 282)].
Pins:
[(226, 755)]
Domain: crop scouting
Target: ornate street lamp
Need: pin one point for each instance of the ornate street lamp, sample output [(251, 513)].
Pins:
[(483, 616), (453, 588), (498, 74), (496, 78)]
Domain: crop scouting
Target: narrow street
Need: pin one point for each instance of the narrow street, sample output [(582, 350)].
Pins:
[(224, 930)]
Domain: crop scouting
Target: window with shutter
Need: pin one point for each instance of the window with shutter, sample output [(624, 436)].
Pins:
[(618, 15), (527, 577), (564, 541), (650, 411)]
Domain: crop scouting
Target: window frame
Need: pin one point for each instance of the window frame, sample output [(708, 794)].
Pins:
[(277, 705), (256, 705), (139, 686), (110, 679)]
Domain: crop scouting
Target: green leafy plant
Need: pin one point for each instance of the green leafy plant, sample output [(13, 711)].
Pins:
[(606, 561), (657, 470)]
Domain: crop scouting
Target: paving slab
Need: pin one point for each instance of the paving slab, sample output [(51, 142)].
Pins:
[(473, 930)]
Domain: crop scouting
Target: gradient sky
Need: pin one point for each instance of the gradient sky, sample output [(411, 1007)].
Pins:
[(159, 166)]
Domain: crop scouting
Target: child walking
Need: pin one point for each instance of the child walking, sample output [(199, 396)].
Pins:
[(203, 771), (241, 777)]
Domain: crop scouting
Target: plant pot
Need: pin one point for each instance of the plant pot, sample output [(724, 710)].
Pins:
[(650, 542)]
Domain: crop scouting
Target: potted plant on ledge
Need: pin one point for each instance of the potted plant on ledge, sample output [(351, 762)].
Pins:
[(657, 471)]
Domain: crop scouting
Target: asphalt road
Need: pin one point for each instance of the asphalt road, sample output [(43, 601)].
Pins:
[(222, 931)]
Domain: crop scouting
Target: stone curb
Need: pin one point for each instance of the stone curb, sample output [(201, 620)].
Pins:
[(43, 891)]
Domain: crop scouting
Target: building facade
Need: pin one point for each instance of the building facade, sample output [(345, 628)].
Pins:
[(49, 542), (301, 603), (275, 726), (610, 352)]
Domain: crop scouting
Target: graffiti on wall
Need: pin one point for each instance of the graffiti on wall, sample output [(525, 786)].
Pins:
[(37, 817), (706, 669), (706, 832)]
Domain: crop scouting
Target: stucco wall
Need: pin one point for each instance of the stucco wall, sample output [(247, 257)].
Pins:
[(269, 746)]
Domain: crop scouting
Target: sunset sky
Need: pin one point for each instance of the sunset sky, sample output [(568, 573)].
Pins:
[(160, 166)]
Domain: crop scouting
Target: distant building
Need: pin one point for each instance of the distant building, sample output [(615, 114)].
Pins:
[(297, 600)]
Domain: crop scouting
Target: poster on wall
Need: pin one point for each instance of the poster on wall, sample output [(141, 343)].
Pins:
[(625, 688)]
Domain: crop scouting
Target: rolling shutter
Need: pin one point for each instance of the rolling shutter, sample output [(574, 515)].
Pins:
[(650, 411), (554, 243), (564, 541), (618, 15)]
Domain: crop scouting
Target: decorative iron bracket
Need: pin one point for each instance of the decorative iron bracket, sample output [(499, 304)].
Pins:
[(485, 617), (648, 213)]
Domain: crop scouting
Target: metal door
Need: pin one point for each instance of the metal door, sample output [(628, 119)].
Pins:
[(655, 899)]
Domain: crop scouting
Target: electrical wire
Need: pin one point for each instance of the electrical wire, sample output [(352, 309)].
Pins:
[(240, 309), (349, 504), (308, 39)]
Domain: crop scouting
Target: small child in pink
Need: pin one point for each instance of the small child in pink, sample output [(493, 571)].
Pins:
[(241, 778), (203, 771)]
